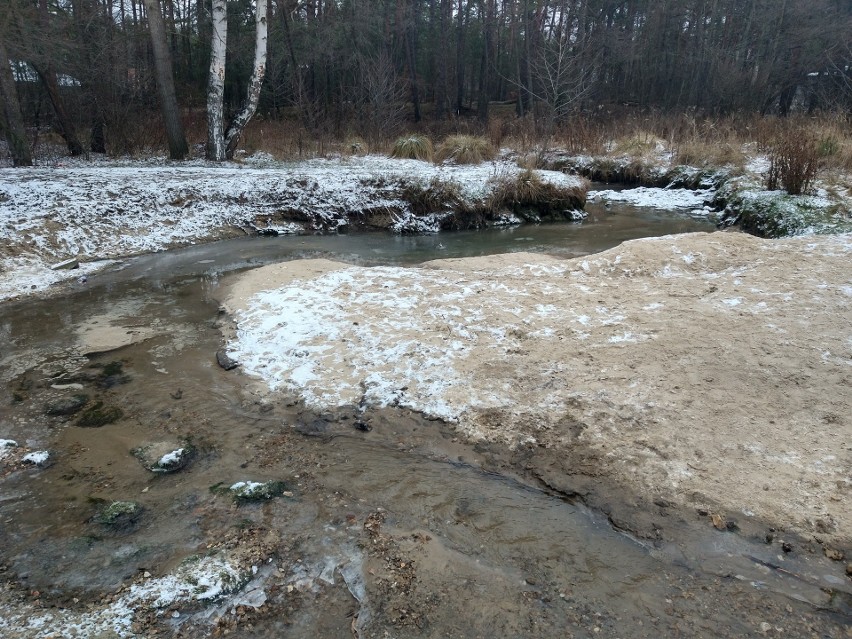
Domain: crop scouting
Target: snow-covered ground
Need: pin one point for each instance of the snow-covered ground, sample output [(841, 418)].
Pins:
[(658, 198), (106, 209), (203, 580), (94, 212)]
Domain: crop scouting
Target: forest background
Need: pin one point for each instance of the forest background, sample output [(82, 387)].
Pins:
[(352, 75)]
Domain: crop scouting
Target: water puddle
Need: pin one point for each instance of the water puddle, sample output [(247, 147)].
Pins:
[(386, 525)]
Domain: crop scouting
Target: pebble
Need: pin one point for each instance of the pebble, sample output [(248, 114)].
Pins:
[(833, 554)]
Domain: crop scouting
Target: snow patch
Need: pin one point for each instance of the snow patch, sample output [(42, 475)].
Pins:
[(659, 198), (37, 457)]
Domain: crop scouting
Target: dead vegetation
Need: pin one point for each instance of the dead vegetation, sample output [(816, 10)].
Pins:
[(793, 163), (527, 195), (465, 149), (413, 147), (435, 195)]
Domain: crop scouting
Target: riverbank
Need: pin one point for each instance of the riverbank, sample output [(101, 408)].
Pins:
[(89, 212), (708, 371), (737, 193)]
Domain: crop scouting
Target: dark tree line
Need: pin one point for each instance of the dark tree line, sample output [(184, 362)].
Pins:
[(365, 66)]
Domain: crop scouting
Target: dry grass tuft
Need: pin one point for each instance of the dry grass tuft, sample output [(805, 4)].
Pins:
[(710, 154), (639, 144), (526, 190), (436, 195), (412, 147), (465, 149)]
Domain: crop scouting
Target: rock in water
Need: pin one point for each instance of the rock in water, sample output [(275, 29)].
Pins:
[(834, 554), (119, 515), (66, 406), (224, 361), (314, 428), (165, 456)]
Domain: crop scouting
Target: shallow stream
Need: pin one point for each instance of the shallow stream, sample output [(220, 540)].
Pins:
[(395, 528)]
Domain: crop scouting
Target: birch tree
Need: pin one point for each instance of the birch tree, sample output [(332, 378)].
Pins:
[(216, 83), (222, 143)]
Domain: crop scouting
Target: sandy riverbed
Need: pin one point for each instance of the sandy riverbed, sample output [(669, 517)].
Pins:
[(711, 371)]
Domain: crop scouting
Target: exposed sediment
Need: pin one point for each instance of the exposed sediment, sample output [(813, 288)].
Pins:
[(710, 371)]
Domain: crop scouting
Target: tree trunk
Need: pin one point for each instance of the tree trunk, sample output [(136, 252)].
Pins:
[(216, 83), (441, 99), (178, 148), (460, 55), (410, 38), (485, 62), (47, 74), (16, 135), (235, 130), (65, 124)]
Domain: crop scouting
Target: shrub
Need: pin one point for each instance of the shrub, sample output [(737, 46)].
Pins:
[(465, 149), (412, 147), (793, 162)]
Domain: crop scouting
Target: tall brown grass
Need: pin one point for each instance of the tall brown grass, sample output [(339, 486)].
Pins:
[(465, 149), (412, 147), (692, 138)]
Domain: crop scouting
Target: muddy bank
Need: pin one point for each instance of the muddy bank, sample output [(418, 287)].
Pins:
[(708, 371)]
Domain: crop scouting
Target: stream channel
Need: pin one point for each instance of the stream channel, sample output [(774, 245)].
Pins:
[(401, 530)]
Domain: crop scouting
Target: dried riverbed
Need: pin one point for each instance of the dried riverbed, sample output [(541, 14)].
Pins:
[(391, 522)]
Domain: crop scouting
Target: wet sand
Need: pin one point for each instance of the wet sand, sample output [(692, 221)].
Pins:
[(711, 371), (395, 523)]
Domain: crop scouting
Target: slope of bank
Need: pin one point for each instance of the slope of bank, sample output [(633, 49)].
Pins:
[(737, 192), (93, 212), (710, 371)]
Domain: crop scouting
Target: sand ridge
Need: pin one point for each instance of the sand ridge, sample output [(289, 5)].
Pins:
[(706, 369)]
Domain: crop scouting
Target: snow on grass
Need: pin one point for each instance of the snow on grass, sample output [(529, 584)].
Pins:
[(98, 211), (658, 198), (777, 214), (6, 447)]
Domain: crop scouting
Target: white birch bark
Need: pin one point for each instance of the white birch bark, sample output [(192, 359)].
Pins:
[(235, 130), (216, 83)]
